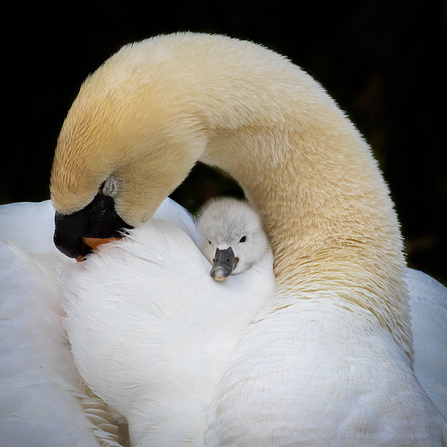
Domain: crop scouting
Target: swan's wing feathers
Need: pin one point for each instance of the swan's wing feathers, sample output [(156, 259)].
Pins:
[(428, 306), (157, 327), (346, 374), (173, 212), (29, 226), (40, 389)]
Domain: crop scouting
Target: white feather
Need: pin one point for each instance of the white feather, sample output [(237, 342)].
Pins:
[(42, 399), (158, 329)]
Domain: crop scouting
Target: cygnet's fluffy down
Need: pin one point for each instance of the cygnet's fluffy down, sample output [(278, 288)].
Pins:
[(233, 237)]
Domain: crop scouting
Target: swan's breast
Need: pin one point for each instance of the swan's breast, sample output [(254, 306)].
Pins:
[(150, 329)]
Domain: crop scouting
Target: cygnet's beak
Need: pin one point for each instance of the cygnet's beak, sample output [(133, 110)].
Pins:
[(224, 264)]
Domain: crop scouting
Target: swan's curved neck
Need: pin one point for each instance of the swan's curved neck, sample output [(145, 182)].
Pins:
[(323, 201), (320, 195)]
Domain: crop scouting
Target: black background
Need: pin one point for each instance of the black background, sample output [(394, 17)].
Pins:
[(385, 62)]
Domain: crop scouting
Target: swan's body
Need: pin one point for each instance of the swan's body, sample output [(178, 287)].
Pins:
[(42, 401), (428, 306), (231, 233), (154, 293), (328, 359)]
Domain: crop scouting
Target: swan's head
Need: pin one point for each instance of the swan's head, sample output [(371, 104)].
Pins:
[(129, 139), (233, 238)]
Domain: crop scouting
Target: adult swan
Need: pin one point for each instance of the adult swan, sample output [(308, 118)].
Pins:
[(330, 360)]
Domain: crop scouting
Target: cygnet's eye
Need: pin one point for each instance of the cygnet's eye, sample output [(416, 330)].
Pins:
[(243, 239)]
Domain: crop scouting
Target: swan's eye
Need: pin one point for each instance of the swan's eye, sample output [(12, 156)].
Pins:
[(243, 239), (209, 242), (109, 187)]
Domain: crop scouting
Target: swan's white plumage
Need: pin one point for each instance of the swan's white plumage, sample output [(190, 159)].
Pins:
[(35, 382), (330, 374), (42, 400), (158, 328), (428, 299)]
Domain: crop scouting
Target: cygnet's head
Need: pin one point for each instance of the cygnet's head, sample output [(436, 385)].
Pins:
[(233, 238)]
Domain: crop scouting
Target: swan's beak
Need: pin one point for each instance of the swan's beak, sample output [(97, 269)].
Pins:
[(224, 264), (78, 234), (94, 243)]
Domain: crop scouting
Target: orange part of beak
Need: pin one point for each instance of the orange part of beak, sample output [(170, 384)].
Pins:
[(94, 242)]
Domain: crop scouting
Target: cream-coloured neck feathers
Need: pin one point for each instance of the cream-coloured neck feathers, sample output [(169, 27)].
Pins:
[(156, 107)]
